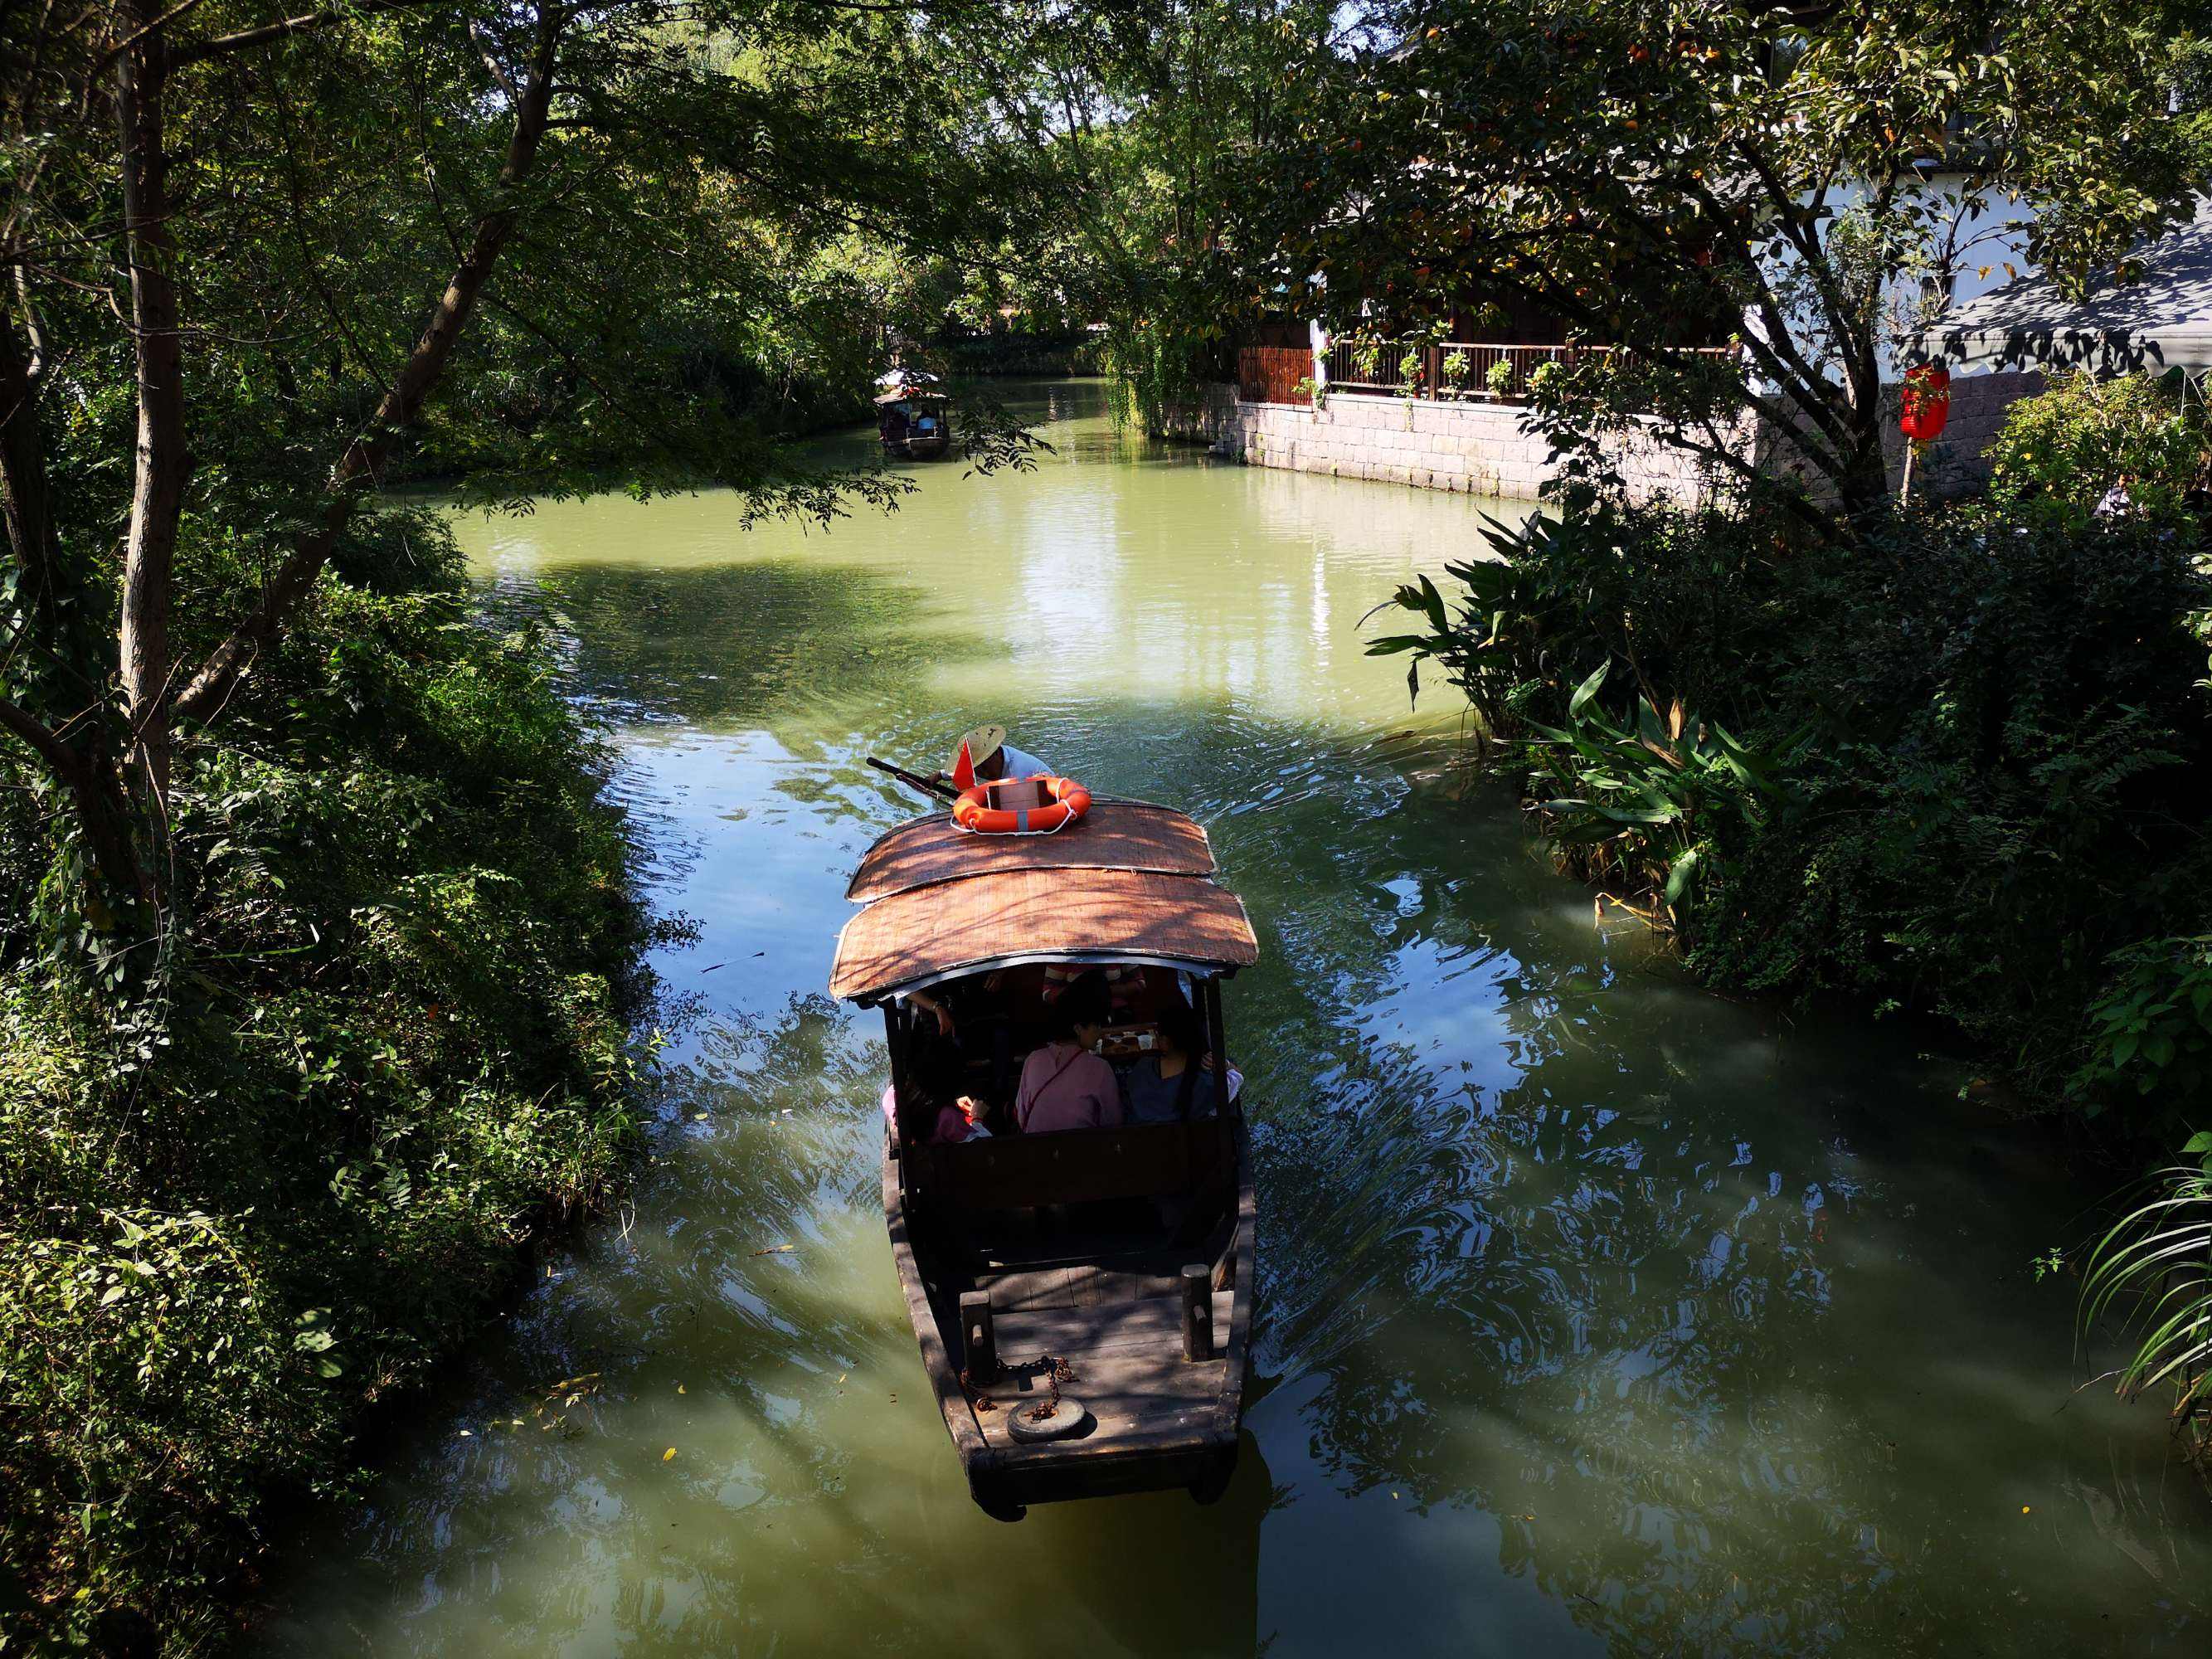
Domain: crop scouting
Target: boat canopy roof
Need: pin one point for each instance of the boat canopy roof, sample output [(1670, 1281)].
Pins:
[(1114, 835), (1129, 882)]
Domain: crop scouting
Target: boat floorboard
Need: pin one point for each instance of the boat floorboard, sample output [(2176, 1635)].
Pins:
[(1128, 1364)]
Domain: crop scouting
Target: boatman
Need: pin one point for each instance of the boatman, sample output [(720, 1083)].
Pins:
[(993, 757)]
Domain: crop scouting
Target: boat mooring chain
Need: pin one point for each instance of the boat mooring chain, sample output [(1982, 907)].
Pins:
[(1055, 1372)]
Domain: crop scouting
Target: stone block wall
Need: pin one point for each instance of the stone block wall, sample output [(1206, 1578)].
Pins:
[(1480, 448), (1476, 447)]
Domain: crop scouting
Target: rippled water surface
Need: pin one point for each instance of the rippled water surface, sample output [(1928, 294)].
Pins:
[(1596, 1313)]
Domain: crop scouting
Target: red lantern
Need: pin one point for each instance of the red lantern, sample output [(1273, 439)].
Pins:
[(1926, 403)]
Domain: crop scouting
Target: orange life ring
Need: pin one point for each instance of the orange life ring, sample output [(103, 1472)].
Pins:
[(974, 812)]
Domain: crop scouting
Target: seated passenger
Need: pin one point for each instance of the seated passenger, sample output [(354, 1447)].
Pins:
[(1065, 1084), (1176, 1083)]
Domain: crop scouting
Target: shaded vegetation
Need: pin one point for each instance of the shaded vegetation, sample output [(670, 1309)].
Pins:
[(1957, 769), (321, 956), (276, 1189)]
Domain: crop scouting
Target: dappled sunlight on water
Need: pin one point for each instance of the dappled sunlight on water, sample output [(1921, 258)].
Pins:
[(1595, 1313)]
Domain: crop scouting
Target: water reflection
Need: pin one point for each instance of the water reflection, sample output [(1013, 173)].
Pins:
[(1596, 1313)]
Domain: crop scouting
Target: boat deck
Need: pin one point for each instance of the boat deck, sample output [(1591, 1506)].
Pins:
[(1115, 1317), (1127, 1357)]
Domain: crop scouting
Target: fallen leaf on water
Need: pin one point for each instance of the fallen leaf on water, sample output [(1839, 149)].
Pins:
[(698, 1117), (841, 1376), (667, 1455), (679, 1387), (776, 1249)]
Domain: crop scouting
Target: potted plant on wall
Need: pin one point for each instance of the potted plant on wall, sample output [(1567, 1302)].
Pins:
[(1409, 370)]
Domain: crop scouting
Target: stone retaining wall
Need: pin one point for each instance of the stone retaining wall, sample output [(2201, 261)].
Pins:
[(1480, 448)]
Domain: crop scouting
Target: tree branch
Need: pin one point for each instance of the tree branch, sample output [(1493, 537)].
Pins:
[(147, 28), (40, 738), (425, 366), (484, 50), (307, 22)]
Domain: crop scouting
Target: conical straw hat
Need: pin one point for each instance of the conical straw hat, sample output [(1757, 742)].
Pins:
[(984, 742)]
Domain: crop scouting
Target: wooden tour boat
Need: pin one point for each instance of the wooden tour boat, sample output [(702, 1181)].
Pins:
[(1092, 1285), (914, 417)]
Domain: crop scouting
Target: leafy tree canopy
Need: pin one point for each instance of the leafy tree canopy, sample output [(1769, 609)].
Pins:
[(1662, 175), (259, 266)]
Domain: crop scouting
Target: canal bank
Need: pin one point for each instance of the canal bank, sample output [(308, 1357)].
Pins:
[(1475, 445), (1596, 1313)]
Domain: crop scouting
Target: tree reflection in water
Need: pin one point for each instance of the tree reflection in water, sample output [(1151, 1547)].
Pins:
[(1730, 1360)]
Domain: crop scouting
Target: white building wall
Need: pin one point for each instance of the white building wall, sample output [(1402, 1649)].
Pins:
[(1974, 246)]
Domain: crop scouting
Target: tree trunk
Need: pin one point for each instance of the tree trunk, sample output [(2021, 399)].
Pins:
[(25, 500), (157, 498), (46, 636), (118, 781), (1863, 485)]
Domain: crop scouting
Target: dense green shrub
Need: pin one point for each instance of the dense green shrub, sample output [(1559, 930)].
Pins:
[(2064, 451), (385, 1042), (2005, 781), (2152, 1028), (1955, 767)]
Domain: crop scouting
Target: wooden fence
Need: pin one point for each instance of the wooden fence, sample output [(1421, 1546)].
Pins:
[(1274, 375)]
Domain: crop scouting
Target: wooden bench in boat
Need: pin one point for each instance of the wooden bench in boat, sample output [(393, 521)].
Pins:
[(1075, 1166)]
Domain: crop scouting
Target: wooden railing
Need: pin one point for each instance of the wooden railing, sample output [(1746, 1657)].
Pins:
[(1461, 370)]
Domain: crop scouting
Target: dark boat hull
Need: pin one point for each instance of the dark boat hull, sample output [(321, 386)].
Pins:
[(1158, 1421)]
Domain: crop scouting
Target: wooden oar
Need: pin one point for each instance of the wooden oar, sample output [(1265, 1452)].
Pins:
[(936, 788)]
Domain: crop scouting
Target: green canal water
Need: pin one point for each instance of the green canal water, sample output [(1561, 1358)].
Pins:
[(1595, 1313)]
